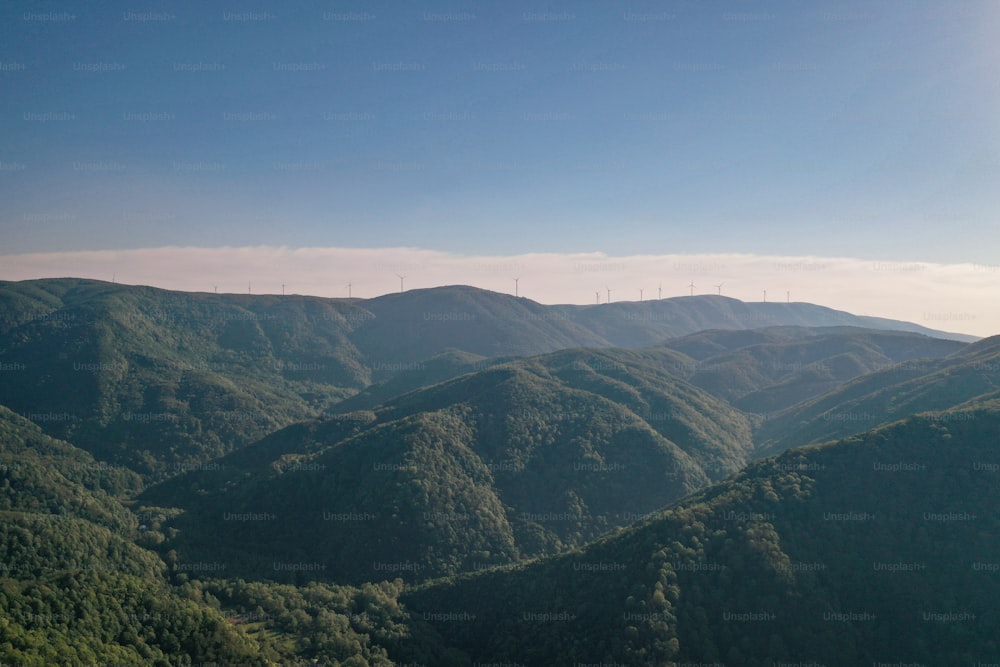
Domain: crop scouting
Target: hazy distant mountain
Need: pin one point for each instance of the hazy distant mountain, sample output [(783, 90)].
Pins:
[(631, 324), (877, 549), (966, 377), (767, 370)]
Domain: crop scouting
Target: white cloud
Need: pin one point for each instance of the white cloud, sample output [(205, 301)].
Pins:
[(953, 297)]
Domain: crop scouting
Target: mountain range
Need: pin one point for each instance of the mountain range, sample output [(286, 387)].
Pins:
[(453, 477)]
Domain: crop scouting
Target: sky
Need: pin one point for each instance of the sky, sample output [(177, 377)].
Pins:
[(843, 153)]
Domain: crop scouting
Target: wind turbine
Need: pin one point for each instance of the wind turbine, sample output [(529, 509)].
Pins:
[(282, 289), (765, 296), (692, 287), (516, 287), (597, 296), (788, 297), (216, 288), (659, 291), (640, 295), (609, 295), (348, 290), (719, 287), (400, 282), (248, 288)]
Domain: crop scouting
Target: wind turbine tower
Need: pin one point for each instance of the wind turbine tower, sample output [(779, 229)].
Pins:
[(765, 296), (640, 295), (516, 293), (400, 282), (659, 291), (609, 295), (719, 288), (692, 287)]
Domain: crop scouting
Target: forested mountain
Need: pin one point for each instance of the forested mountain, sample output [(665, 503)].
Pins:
[(588, 440), (879, 549), (159, 380), (759, 371), (77, 586), (518, 460)]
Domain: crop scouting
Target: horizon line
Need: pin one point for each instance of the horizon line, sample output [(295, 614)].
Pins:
[(956, 296)]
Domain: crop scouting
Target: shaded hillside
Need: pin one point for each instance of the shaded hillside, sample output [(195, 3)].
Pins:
[(967, 377), (25, 448), (75, 589), (159, 380), (631, 324), (531, 457), (876, 549), (444, 366), (758, 371), (767, 370)]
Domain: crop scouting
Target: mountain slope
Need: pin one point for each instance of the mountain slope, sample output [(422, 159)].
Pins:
[(158, 380), (767, 370), (74, 588), (760, 371), (879, 548), (966, 377), (630, 324)]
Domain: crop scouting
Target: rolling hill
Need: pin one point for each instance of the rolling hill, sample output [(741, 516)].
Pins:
[(485, 469), (766, 370)]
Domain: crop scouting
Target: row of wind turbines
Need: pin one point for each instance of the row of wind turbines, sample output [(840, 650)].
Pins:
[(691, 286), (517, 291)]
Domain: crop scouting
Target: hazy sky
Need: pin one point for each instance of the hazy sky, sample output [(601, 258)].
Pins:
[(864, 130)]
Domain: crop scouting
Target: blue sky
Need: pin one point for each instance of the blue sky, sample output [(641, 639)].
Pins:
[(868, 130)]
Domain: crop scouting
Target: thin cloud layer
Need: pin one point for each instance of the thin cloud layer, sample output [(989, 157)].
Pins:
[(953, 297)]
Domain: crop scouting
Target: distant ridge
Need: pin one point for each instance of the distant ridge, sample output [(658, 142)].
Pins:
[(463, 310)]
